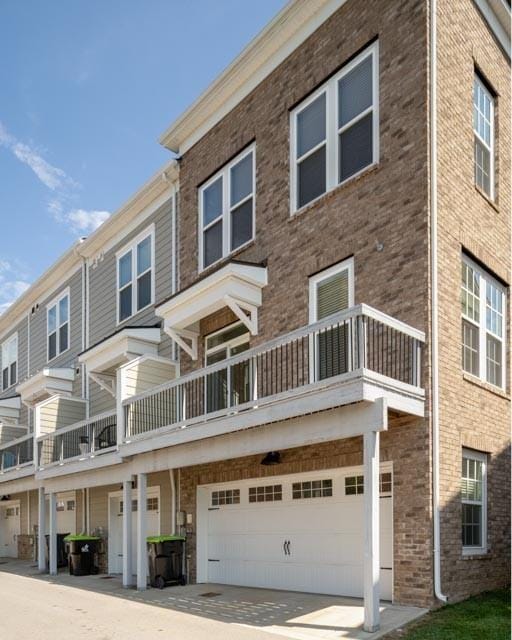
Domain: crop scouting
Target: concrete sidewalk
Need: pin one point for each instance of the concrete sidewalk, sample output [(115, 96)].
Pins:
[(98, 608)]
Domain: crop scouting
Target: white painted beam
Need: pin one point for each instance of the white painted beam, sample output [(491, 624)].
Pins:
[(53, 534), (371, 562), (127, 534), (41, 522), (142, 560)]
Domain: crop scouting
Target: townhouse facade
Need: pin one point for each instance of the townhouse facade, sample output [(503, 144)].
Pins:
[(290, 345)]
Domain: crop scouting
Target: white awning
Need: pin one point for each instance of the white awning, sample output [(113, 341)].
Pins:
[(102, 359), (48, 382), (237, 285)]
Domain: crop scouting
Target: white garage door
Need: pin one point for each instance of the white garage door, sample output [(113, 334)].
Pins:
[(115, 540), (66, 513), (298, 533), (9, 529)]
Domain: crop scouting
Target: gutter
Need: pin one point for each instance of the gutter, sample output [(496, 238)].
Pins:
[(434, 303)]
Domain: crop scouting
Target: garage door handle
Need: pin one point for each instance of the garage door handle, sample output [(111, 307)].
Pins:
[(286, 547)]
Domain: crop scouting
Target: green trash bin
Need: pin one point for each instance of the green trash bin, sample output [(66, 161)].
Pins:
[(82, 554), (166, 558)]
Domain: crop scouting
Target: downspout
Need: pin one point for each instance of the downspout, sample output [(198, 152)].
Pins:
[(173, 502), (434, 302)]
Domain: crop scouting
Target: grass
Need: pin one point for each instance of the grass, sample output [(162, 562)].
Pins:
[(484, 617)]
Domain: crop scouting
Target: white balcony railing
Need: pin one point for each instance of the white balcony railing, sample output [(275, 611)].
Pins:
[(360, 338), (17, 453), (85, 439)]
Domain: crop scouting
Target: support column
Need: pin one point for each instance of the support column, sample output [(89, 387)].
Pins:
[(53, 534), (41, 525), (371, 532), (127, 534), (142, 561)]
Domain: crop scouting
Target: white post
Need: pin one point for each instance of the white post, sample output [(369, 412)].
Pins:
[(371, 532), (53, 534), (127, 534), (142, 561), (119, 405), (41, 525)]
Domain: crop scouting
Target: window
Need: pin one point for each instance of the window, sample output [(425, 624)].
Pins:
[(474, 499), (135, 276), (354, 485), (483, 324), (226, 209), (152, 504), (271, 493), (57, 324), (231, 384), (335, 131), (312, 489), (10, 362), (227, 496), (483, 125), (70, 505), (330, 292)]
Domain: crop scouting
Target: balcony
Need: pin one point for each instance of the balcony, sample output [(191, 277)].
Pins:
[(360, 354), (79, 442), (17, 458)]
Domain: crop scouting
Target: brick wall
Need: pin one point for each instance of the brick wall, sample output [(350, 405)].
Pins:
[(471, 414)]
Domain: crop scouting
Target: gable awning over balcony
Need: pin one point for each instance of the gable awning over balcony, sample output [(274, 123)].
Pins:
[(103, 358), (10, 410), (237, 285), (48, 382)]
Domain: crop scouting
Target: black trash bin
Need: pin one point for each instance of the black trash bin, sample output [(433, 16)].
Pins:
[(82, 554), (62, 556), (166, 557)]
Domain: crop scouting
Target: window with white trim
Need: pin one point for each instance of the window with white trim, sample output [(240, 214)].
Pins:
[(10, 362), (135, 276), (474, 501), (225, 496), (335, 131), (483, 126), (312, 489), (226, 209), (483, 324), (268, 493), (57, 326), (354, 485)]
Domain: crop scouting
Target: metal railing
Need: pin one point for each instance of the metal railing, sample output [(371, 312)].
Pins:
[(356, 339), (84, 439), (17, 453)]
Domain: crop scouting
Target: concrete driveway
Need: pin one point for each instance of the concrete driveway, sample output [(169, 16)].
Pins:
[(98, 608)]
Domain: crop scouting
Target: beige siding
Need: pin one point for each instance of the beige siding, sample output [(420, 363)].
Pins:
[(146, 374), (8, 433), (60, 412)]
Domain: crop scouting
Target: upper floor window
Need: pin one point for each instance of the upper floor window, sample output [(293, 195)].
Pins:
[(483, 125), (10, 362), (135, 276), (226, 209), (474, 501), (57, 326), (483, 324), (335, 131)]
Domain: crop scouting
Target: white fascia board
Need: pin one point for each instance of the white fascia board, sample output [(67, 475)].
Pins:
[(240, 281), (118, 348), (51, 381), (497, 15), (17, 480), (279, 38), (10, 403)]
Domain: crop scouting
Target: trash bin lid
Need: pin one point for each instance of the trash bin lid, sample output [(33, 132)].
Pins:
[(164, 538), (81, 537)]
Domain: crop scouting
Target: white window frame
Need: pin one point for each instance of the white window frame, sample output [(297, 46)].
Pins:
[(332, 130), (490, 147), (225, 174), (479, 457), (56, 303), (483, 278), (131, 247), (5, 349)]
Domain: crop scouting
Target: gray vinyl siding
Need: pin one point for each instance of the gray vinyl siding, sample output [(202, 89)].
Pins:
[(22, 329), (38, 331), (102, 279), (100, 400)]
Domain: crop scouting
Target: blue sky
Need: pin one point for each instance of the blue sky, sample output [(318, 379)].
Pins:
[(87, 88)]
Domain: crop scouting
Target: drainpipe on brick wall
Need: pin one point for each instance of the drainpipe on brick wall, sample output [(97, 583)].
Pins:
[(434, 310), (173, 502)]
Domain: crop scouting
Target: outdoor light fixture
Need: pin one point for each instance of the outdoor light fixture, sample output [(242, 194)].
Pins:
[(272, 457)]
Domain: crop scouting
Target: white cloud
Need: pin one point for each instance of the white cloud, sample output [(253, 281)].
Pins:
[(12, 284), (62, 186)]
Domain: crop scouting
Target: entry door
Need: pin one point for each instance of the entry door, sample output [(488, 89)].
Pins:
[(9, 530), (116, 529), (298, 533), (66, 513)]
